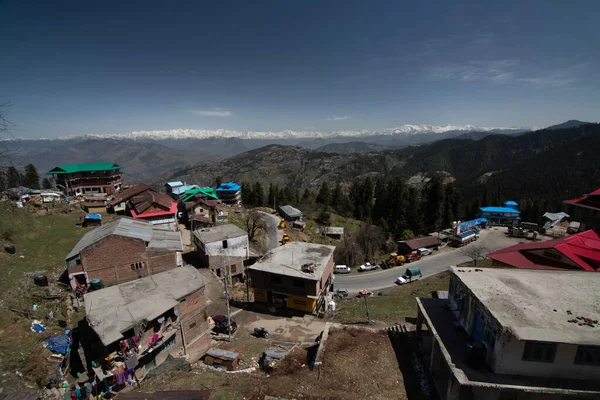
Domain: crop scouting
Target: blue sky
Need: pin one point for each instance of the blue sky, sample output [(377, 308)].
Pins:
[(73, 67)]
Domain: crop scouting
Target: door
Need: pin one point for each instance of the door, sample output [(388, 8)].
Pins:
[(477, 333)]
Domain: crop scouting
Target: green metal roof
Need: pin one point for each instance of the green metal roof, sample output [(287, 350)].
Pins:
[(206, 191), (72, 168)]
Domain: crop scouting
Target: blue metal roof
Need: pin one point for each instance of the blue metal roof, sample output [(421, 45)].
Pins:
[(499, 210), (510, 203), (228, 186)]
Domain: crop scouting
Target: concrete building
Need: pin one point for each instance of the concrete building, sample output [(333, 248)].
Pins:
[(576, 252), (586, 210), (230, 193), (289, 213), (506, 216), (221, 247), (513, 334), (298, 276), (123, 250), (100, 179), (333, 232), (152, 318)]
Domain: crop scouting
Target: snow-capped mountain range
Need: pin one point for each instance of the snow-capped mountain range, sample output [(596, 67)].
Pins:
[(290, 134)]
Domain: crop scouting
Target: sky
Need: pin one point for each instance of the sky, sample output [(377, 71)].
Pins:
[(79, 67)]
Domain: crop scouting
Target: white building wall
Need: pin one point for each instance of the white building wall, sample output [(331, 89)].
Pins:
[(236, 247), (509, 361)]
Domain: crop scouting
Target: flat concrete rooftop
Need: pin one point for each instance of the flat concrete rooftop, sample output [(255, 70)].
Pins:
[(219, 233), (535, 304), (116, 309), (288, 260)]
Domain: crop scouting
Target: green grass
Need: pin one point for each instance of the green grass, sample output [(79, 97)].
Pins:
[(394, 305), (42, 242)]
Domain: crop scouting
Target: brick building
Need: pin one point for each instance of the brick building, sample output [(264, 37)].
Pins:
[(296, 276), (103, 179), (123, 250), (154, 317)]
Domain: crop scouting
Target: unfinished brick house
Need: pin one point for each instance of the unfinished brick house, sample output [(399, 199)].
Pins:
[(123, 250), (139, 324)]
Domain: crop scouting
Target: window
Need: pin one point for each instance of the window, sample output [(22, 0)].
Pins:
[(588, 355), (539, 351), (224, 244), (299, 283), (138, 265), (276, 279)]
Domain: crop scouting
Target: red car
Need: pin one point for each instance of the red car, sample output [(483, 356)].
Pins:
[(412, 257), (365, 293)]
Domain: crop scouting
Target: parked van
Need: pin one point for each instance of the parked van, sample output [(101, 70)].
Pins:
[(342, 269)]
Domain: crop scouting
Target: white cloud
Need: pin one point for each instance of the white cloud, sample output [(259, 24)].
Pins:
[(337, 118), (216, 112), (507, 71)]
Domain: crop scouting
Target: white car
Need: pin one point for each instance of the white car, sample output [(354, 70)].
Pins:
[(424, 252), (401, 280), (367, 267)]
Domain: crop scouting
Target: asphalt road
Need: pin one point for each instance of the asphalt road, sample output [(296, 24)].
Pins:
[(493, 239), (273, 233)]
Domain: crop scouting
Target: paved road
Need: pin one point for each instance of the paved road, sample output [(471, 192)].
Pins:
[(273, 233), (493, 239)]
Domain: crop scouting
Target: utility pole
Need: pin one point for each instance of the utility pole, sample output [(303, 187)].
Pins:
[(247, 278), (367, 308), (227, 299)]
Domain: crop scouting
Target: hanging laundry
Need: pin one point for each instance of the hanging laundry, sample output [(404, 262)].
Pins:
[(131, 362)]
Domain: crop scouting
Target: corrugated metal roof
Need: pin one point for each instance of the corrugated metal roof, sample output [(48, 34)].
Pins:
[(166, 240), (427, 241), (228, 186), (290, 211), (129, 193), (127, 227), (334, 230), (149, 198), (116, 309), (175, 184), (181, 189), (72, 168), (219, 233)]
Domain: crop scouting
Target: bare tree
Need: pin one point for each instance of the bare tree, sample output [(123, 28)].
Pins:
[(475, 252), (348, 252), (4, 134), (254, 224), (370, 238)]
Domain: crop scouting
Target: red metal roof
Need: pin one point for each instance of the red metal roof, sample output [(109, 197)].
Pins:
[(591, 200), (582, 248)]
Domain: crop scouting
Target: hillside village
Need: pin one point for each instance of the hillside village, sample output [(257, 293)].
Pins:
[(127, 288)]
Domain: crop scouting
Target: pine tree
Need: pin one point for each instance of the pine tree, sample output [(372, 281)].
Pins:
[(31, 178), (2, 181), (13, 177), (46, 183), (271, 198), (324, 196), (259, 195)]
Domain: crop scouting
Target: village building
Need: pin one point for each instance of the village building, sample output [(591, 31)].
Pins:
[(137, 325), (223, 249), (576, 252), (170, 186), (554, 224), (200, 212), (230, 193), (586, 210), (99, 179), (508, 215), (513, 334), (118, 202), (178, 192), (289, 213), (408, 246), (198, 193), (140, 201), (124, 250), (297, 276), (333, 232)]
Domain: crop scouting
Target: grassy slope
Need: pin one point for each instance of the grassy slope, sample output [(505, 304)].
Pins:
[(394, 305), (43, 241)]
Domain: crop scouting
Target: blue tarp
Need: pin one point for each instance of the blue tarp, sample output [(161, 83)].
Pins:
[(499, 210), (93, 216), (58, 344)]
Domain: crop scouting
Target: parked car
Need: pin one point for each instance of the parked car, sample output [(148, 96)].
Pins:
[(340, 293), (342, 269), (424, 251), (412, 257), (365, 293), (367, 267)]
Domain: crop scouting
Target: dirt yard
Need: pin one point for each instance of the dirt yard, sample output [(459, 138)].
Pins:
[(356, 364)]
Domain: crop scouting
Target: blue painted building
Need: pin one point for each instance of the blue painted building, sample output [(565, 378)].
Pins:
[(229, 193), (507, 215)]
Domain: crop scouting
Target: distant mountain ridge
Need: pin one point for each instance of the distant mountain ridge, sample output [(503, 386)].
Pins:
[(572, 123)]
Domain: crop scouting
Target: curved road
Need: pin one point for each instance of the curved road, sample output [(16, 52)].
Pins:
[(493, 239), (274, 235)]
